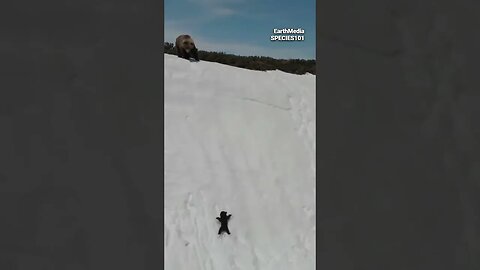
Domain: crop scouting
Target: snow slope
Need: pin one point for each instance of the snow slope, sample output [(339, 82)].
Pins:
[(241, 141)]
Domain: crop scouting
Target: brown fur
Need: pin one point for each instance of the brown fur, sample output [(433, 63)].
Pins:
[(186, 47)]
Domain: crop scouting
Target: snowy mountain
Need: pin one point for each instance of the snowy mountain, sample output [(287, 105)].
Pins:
[(242, 141)]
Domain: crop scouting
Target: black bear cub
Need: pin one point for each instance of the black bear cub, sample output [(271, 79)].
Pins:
[(223, 222)]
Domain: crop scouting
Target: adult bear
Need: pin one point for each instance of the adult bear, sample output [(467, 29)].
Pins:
[(186, 47)]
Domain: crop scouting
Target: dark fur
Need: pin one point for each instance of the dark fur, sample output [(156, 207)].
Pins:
[(223, 222), (186, 47)]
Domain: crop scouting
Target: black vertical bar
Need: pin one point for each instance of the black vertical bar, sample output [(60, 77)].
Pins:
[(81, 134)]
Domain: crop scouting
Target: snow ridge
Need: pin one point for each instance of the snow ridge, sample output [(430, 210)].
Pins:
[(242, 141)]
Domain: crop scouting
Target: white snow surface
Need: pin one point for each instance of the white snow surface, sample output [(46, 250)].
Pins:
[(242, 141)]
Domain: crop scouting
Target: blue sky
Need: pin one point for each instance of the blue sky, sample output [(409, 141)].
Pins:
[(243, 27)]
